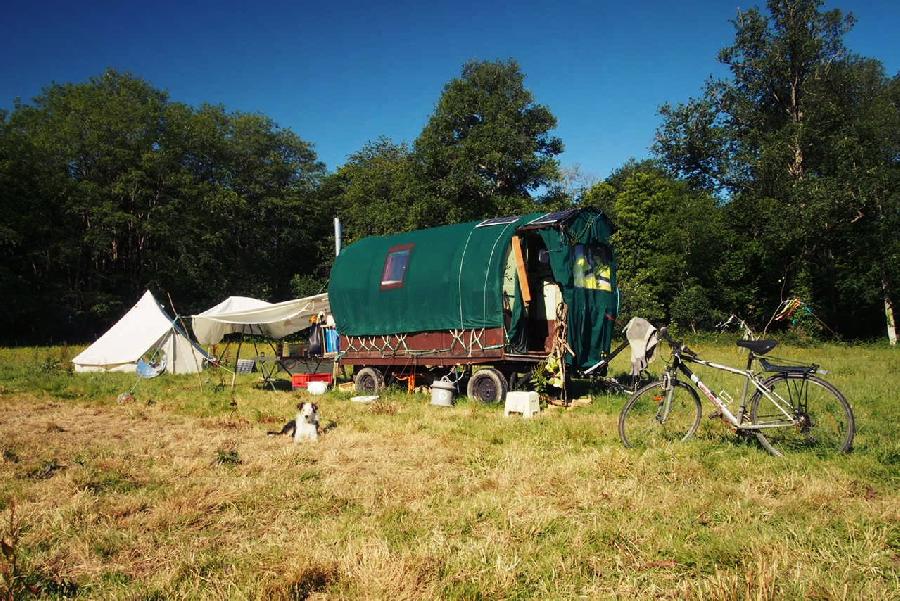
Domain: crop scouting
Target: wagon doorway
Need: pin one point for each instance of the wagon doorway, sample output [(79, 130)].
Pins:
[(531, 295)]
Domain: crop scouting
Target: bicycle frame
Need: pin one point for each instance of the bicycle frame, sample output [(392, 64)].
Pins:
[(749, 378)]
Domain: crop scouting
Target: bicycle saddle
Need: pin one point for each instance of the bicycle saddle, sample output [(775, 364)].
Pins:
[(758, 347)]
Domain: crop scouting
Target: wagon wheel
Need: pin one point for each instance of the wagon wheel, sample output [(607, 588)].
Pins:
[(488, 386), (369, 381)]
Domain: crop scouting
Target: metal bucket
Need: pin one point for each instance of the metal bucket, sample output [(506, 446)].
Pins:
[(442, 393)]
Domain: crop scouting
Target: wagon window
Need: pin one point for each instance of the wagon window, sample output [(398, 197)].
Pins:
[(395, 266), (592, 267)]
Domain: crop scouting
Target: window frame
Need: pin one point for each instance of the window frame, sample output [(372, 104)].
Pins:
[(391, 251)]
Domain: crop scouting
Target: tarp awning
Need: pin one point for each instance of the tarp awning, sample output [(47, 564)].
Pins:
[(254, 316)]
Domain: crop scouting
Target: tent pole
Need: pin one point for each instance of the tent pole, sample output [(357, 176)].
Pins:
[(278, 356), (255, 346), (178, 317), (237, 354)]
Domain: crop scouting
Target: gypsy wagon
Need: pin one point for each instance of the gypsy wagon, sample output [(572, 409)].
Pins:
[(485, 300)]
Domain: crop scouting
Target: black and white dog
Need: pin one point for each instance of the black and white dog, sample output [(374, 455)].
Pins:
[(305, 426)]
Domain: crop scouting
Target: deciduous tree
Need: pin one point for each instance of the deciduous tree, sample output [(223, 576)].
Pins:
[(487, 148), (108, 187), (799, 142)]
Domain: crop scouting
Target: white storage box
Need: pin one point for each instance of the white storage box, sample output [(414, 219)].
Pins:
[(525, 402)]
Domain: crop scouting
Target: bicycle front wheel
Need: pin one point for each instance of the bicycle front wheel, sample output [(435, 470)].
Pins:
[(644, 422), (822, 420)]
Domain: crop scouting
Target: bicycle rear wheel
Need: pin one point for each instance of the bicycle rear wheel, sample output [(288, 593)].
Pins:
[(824, 419), (641, 423)]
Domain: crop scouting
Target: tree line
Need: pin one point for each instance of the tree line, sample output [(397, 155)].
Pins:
[(779, 181)]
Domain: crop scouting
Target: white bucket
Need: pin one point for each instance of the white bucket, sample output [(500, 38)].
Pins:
[(442, 393), (317, 387)]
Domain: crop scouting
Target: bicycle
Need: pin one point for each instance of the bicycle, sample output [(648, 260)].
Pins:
[(793, 409)]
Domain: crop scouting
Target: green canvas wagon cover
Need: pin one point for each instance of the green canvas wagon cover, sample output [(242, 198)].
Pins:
[(452, 277)]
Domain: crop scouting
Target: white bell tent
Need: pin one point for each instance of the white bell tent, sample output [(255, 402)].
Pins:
[(144, 330), (240, 314)]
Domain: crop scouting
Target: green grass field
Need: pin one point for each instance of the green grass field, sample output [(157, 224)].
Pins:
[(180, 495)]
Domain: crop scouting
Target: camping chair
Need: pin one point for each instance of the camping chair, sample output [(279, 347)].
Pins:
[(267, 366), (147, 371), (155, 364)]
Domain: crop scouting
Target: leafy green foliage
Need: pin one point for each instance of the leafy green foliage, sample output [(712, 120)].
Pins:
[(692, 307), (228, 456), (376, 192), (107, 188), (487, 149), (667, 237), (547, 375), (801, 143), (303, 284)]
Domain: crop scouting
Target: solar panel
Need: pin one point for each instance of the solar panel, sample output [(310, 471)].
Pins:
[(552, 218), (498, 221)]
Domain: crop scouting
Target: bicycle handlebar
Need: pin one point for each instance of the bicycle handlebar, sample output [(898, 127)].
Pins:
[(677, 346)]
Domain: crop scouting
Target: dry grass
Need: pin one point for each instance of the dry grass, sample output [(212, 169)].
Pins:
[(402, 500)]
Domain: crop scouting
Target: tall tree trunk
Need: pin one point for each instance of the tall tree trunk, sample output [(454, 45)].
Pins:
[(796, 112), (884, 231), (889, 312), (796, 166)]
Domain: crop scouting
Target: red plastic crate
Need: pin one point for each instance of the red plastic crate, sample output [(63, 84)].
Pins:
[(303, 380)]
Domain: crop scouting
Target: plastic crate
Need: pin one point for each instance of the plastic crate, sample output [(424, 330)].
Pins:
[(302, 380)]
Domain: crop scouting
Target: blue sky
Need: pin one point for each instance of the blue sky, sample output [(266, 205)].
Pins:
[(345, 73)]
